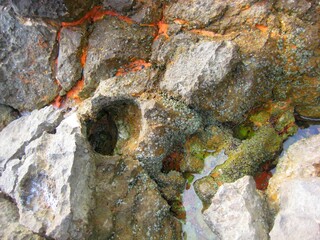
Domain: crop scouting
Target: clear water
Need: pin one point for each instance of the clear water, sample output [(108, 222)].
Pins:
[(195, 227)]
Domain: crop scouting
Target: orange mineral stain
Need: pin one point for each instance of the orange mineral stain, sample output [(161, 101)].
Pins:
[(262, 180), (73, 93), (262, 28), (83, 58), (57, 102), (133, 67)]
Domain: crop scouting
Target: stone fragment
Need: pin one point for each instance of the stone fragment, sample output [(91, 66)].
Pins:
[(7, 115), (22, 131), (64, 10), (237, 211), (10, 228), (104, 57), (142, 11), (128, 204), (300, 160), (69, 68), (53, 186), (196, 12), (26, 62), (299, 213)]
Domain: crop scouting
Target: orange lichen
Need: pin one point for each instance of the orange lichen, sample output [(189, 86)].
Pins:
[(205, 33), (57, 102), (95, 14), (262, 28), (163, 29), (180, 21), (73, 93), (135, 66), (83, 57)]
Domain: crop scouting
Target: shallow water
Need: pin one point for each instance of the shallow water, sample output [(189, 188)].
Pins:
[(195, 227)]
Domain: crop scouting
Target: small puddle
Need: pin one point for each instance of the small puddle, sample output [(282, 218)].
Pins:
[(195, 227)]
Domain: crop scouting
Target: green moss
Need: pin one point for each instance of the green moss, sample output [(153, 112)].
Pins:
[(243, 132)]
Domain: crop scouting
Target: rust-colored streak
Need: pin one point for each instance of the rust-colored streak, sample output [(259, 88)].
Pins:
[(262, 28), (95, 14), (83, 58), (73, 93), (133, 67), (57, 102), (262, 180)]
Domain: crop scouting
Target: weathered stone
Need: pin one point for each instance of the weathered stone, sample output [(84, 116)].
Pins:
[(237, 211), (69, 68), (171, 185), (294, 6), (104, 57), (53, 190), (22, 131), (128, 204), (7, 115), (299, 211), (142, 11), (26, 62), (9, 223), (300, 160), (54, 9), (245, 160), (196, 12)]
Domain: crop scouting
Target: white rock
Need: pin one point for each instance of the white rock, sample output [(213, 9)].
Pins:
[(236, 212), (299, 213), (53, 183)]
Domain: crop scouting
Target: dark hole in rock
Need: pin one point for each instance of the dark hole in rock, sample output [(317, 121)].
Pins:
[(103, 133)]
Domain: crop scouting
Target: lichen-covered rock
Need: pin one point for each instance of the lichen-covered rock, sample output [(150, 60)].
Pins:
[(237, 211), (53, 184), (142, 11), (64, 10), (22, 131), (26, 62), (128, 204), (7, 115), (300, 160), (69, 68), (111, 44), (299, 210), (10, 228), (245, 160)]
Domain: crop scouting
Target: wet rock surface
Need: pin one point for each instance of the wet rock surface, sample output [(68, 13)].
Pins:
[(237, 211), (26, 62)]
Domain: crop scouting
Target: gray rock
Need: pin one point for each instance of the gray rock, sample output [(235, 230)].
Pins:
[(10, 228), (300, 160), (236, 211), (104, 57), (7, 115), (22, 131), (197, 12), (54, 9), (69, 66), (26, 62), (296, 6), (53, 187), (128, 204), (299, 213)]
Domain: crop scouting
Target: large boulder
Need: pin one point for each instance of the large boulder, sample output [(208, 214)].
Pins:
[(52, 184), (300, 210), (237, 211), (19, 133), (300, 160), (113, 43), (26, 62)]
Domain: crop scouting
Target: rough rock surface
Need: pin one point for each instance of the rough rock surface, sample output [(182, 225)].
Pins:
[(52, 187), (300, 160), (142, 11), (22, 131), (237, 211), (112, 44), (128, 204), (69, 68), (7, 115), (9, 223), (299, 213), (60, 10), (26, 62)]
